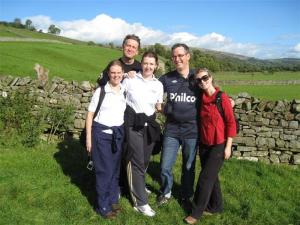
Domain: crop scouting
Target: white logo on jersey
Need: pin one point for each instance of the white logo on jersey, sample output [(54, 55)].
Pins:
[(182, 97)]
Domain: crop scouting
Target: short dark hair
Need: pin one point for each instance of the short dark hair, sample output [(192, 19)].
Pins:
[(133, 37), (150, 54), (177, 45)]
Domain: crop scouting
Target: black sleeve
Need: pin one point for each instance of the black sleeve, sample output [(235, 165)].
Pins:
[(104, 79)]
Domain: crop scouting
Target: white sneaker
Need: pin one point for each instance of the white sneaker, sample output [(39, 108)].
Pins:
[(145, 209), (168, 195), (148, 191)]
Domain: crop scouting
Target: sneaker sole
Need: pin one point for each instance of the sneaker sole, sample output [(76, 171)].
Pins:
[(136, 209)]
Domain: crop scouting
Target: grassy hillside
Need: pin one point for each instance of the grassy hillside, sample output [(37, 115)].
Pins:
[(71, 62), (11, 32), (51, 185), (75, 60), (68, 58)]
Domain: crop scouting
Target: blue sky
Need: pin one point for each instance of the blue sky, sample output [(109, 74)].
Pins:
[(256, 28)]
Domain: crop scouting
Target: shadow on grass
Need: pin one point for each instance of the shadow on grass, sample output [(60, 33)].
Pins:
[(154, 172), (73, 159)]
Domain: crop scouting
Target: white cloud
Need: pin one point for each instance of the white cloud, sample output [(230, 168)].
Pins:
[(105, 29), (40, 22), (297, 48)]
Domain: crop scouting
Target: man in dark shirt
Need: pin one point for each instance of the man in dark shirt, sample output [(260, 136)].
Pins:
[(181, 126), (131, 45)]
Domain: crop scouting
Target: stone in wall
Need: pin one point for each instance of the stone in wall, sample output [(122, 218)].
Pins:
[(280, 143), (246, 149), (263, 159), (274, 158), (265, 142), (269, 106), (274, 122), (294, 145), (85, 86), (289, 116), (296, 159), (259, 153), (279, 107), (285, 158), (246, 141), (253, 159), (79, 123), (294, 124)]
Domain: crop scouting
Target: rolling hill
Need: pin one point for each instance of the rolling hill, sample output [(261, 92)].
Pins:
[(71, 59)]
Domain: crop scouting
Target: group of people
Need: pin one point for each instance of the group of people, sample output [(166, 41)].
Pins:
[(122, 135)]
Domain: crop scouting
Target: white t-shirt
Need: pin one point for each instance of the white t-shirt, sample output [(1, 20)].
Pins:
[(111, 112), (142, 95)]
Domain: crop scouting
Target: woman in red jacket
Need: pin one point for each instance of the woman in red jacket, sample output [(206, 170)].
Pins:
[(216, 135)]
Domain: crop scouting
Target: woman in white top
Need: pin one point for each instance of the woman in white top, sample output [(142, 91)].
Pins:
[(144, 94), (105, 134)]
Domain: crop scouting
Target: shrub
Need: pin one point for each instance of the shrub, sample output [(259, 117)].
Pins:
[(18, 115), (60, 118)]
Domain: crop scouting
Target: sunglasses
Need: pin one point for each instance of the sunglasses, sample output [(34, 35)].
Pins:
[(204, 78)]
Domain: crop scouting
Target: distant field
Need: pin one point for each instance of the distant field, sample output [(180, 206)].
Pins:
[(282, 75), (270, 92), (23, 33), (71, 62)]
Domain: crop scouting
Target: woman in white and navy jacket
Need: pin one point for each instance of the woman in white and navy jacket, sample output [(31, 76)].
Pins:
[(144, 95), (105, 134)]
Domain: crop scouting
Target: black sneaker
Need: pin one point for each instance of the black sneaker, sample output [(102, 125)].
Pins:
[(162, 199)]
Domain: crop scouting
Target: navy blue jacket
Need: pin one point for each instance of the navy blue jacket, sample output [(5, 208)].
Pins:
[(180, 109)]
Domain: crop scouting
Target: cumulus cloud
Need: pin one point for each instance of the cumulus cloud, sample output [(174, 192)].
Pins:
[(297, 48), (40, 22), (104, 29)]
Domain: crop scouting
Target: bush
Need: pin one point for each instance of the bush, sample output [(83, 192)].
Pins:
[(18, 115), (60, 118)]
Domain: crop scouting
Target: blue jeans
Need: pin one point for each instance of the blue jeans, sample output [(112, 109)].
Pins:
[(168, 158)]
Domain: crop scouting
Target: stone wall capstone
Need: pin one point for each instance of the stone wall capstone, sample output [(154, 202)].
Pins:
[(270, 130)]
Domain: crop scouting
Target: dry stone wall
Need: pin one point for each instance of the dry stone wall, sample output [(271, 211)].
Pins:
[(270, 130)]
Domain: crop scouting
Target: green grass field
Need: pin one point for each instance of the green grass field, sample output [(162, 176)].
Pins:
[(71, 62), (268, 92), (282, 75), (50, 185)]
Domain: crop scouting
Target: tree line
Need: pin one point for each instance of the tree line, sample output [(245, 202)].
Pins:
[(17, 23), (222, 62)]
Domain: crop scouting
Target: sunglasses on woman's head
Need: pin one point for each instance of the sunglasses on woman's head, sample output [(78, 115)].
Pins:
[(204, 78)]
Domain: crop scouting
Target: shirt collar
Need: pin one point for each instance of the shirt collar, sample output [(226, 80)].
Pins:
[(141, 77), (107, 88)]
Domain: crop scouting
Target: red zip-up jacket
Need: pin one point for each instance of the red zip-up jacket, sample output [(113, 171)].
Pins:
[(213, 129)]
